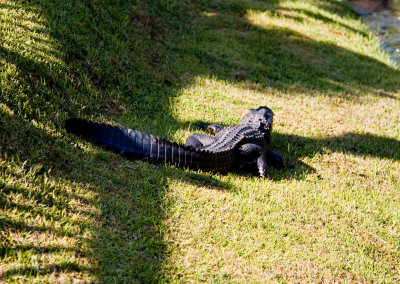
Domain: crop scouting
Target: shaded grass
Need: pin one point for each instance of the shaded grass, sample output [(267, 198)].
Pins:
[(71, 211)]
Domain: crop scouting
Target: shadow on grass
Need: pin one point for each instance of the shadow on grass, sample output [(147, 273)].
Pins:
[(33, 271), (127, 241), (141, 55), (324, 19), (350, 143), (228, 42)]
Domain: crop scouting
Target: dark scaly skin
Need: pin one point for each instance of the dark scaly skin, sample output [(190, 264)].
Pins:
[(238, 145)]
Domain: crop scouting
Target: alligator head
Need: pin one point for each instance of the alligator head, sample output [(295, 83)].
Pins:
[(261, 119)]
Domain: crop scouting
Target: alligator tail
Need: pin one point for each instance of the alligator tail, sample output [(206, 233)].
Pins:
[(138, 145)]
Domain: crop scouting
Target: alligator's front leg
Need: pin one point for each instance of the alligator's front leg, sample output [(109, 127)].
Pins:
[(253, 153)]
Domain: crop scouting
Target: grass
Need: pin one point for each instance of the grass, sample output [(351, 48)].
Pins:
[(73, 212)]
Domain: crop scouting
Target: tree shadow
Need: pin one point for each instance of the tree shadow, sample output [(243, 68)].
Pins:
[(132, 59), (343, 8), (279, 57), (126, 235), (324, 19)]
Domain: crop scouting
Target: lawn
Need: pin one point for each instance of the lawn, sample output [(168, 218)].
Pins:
[(73, 212)]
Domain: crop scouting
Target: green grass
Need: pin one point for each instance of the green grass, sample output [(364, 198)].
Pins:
[(70, 211)]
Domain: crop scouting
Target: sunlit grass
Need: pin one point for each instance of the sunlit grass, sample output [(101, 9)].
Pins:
[(70, 211), (309, 21), (327, 225)]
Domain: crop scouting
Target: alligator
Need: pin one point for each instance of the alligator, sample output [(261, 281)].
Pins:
[(237, 146)]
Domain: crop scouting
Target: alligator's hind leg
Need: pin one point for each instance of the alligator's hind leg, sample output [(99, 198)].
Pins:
[(211, 129), (199, 140)]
